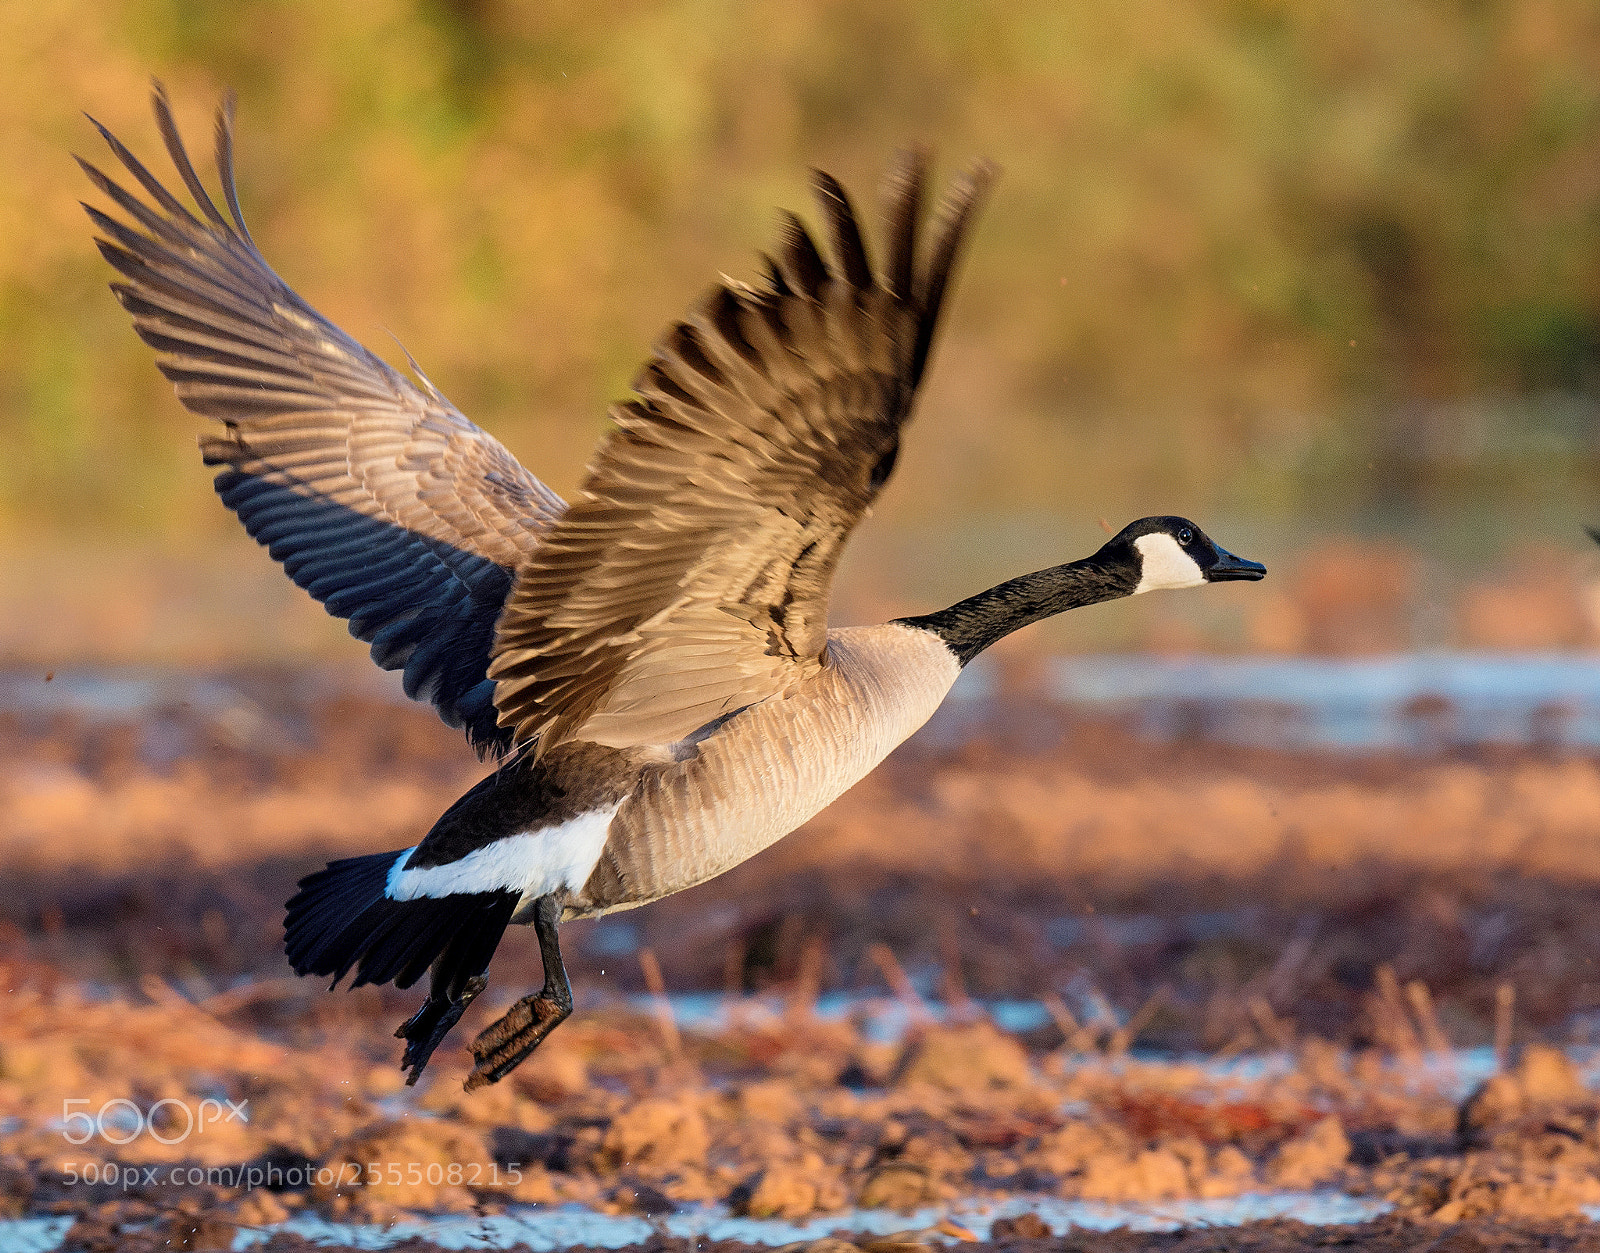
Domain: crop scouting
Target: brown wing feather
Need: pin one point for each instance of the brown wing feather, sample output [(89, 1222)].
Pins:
[(691, 577), (378, 496)]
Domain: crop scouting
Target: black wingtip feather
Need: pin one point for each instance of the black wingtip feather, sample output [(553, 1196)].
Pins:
[(801, 268), (145, 178), (903, 192), (775, 279), (954, 216), (723, 311), (168, 126), (803, 265), (849, 249), (224, 155)]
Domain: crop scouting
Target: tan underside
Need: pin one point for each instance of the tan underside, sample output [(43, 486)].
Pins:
[(769, 768)]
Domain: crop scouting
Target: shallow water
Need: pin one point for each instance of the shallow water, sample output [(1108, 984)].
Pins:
[(1407, 701), (33, 1235), (554, 1229), (547, 1229), (880, 1019), (887, 1020)]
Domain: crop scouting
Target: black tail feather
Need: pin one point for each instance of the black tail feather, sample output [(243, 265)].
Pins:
[(468, 954), (374, 953), (320, 918), (341, 920), (411, 965), (476, 921), (412, 954)]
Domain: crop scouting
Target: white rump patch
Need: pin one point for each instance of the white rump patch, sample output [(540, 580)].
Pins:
[(1162, 563), (530, 863)]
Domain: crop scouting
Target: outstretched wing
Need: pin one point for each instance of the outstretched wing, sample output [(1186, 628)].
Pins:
[(377, 496), (691, 577)]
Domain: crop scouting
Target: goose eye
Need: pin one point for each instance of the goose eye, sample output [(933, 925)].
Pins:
[(1185, 536)]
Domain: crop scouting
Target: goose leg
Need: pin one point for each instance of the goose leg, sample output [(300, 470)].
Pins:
[(424, 1030), (503, 1044)]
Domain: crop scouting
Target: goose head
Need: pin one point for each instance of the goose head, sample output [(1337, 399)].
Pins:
[(1173, 552)]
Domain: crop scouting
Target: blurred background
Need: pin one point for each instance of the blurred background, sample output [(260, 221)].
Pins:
[(1325, 277)]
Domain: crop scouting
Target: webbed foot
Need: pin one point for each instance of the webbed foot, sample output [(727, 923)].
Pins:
[(503, 1045)]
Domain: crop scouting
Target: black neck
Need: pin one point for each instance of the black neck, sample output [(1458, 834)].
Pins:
[(971, 625)]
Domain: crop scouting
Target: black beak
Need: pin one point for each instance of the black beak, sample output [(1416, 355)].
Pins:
[(1228, 568)]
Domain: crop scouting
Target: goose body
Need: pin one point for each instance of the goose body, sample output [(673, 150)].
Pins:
[(651, 663)]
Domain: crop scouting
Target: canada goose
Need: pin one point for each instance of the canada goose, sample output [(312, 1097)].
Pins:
[(651, 664)]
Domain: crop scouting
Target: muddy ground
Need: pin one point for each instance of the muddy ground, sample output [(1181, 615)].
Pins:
[(1353, 917)]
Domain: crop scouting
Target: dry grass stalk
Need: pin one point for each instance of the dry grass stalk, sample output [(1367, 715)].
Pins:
[(1434, 1039), (1123, 1037), (169, 998), (952, 988), (1505, 1004), (733, 958), (802, 1006), (1219, 1022), (899, 982), (1392, 1018), (1277, 1032), (1074, 1039), (1280, 982), (668, 1024)]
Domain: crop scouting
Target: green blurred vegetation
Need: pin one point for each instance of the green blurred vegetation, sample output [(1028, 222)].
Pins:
[(1249, 256)]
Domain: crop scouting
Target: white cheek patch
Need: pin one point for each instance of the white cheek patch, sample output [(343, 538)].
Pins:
[(1162, 563), (531, 863)]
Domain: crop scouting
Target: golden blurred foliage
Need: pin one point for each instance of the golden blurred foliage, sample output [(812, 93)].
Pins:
[(1244, 251)]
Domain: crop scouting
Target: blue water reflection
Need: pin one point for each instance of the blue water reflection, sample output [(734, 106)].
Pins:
[(1406, 701)]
